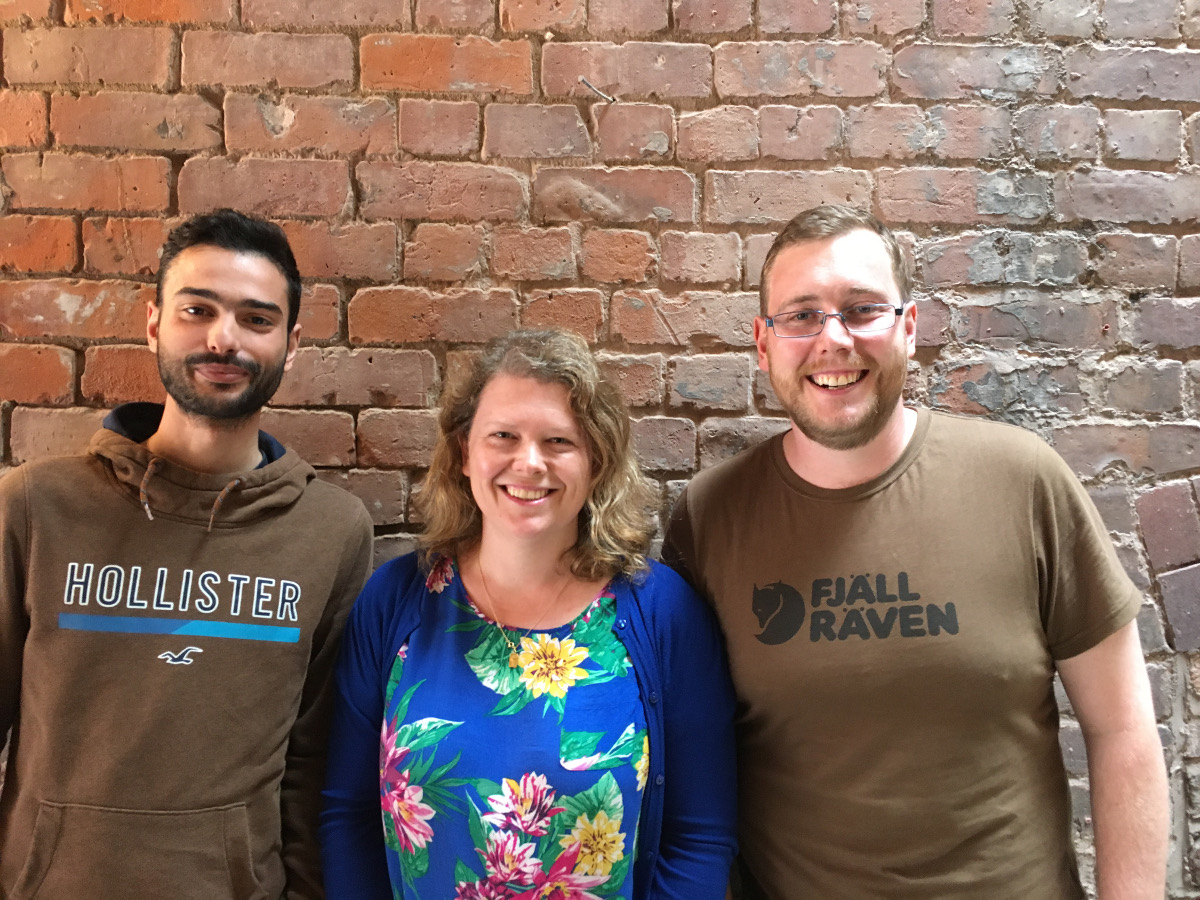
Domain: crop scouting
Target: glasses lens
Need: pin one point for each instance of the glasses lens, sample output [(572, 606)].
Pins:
[(802, 324), (869, 318)]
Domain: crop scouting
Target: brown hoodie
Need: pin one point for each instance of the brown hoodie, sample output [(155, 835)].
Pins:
[(167, 679)]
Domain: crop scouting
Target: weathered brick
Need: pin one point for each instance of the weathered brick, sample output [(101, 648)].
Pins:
[(710, 381), (871, 17), (252, 60), (350, 250), (265, 187), (1005, 257), (439, 127), (443, 63), (297, 123), (533, 254), (800, 132), (718, 135), (1141, 19), (954, 71), (260, 14), (383, 492), (39, 433), (1062, 18), (1193, 134), (1170, 526), (1137, 260), (1146, 388), (1021, 316), (617, 255), (321, 437), (63, 307), (1113, 503), (121, 246), (933, 323), (764, 198), (393, 438), (723, 438), (121, 373), (134, 121), (22, 119), (973, 18), (1189, 262), (654, 69), (764, 395), (33, 373), (534, 131), (1143, 134), (961, 196), (883, 131), (706, 17), (615, 195), (792, 17), (700, 258), (1058, 132), (1008, 393), (439, 15), (440, 252), (192, 12), (798, 68), (107, 56), (37, 244), (405, 315), (320, 311), (638, 378), (1179, 592), (1133, 73), (633, 131), (564, 65), (335, 376), (964, 131), (1167, 322), (649, 317), (664, 444), (756, 247), (1158, 198), (129, 184), (627, 16), (1191, 19), (576, 309), (14, 11), (539, 15), (448, 191)]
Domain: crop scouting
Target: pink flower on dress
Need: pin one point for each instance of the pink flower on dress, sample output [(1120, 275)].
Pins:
[(508, 860), (562, 882), (399, 799), (526, 807), (440, 575), (481, 890)]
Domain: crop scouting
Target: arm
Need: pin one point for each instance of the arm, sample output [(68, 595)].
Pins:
[(1108, 688)]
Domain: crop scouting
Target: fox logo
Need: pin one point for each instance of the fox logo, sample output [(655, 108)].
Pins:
[(780, 611)]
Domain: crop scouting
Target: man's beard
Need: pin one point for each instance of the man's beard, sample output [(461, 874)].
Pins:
[(228, 407)]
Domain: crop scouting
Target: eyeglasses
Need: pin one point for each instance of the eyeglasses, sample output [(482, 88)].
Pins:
[(862, 319)]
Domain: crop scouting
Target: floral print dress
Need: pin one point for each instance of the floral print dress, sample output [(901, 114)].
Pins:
[(511, 776)]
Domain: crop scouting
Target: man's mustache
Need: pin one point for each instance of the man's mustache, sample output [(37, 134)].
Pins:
[(249, 366)]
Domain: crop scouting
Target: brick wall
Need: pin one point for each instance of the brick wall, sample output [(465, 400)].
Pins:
[(445, 174)]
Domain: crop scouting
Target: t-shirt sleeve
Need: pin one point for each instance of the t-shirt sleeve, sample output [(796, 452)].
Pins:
[(14, 621), (678, 547)]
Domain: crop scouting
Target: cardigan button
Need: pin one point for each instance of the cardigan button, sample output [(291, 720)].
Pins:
[(653, 697), (621, 623), (659, 779)]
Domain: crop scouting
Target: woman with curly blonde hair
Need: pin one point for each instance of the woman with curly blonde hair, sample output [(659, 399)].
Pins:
[(555, 712)]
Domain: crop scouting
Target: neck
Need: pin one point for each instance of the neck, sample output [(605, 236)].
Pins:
[(213, 447), (521, 566), (829, 468)]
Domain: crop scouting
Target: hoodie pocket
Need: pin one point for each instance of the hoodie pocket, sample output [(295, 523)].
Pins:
[(99, 853)]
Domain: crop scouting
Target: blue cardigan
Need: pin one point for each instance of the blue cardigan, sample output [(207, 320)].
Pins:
[(686, 833)]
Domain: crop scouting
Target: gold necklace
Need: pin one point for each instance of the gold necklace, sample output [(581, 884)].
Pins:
[(495, 617)]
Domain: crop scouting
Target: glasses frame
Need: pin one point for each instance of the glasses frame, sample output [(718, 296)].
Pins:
[(825, 316)]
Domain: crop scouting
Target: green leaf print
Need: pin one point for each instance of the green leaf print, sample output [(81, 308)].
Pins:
[(424, 732), (389, 834), (417, 862), (577, 749), (603, 795), (402, 707), (488, 659), (578, 744), (604, 648), (477, 827), (512, 703), (394, 677), (463, 873)]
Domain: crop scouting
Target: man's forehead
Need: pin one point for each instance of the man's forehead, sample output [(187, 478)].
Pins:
[(205, 270), (859, 259)]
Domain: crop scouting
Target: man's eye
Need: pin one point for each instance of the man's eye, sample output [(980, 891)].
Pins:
[(804, 315), (868, 309)]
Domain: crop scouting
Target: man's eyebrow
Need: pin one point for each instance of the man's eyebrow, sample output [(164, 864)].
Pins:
[(853, 291), (248, 303)]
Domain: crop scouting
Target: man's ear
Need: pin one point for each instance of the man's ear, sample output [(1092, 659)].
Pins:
[(153, 312), (910, 327), (293, 346)]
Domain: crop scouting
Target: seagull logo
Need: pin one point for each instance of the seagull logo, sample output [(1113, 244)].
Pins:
[(181, 658)]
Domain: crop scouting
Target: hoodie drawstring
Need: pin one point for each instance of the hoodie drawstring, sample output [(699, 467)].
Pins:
[(225, 492), (143, 492)]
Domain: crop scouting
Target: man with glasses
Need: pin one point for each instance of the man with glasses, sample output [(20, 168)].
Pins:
[(898, 588)]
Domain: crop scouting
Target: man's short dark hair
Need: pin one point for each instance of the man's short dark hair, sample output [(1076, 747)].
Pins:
[(232, 230)]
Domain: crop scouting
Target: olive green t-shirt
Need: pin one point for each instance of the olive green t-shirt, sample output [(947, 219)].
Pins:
[(893, 649)]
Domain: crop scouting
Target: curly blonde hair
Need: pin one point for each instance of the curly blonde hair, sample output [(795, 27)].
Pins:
[(615, 524)]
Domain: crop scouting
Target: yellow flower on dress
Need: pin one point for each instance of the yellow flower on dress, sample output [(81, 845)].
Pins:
[(550, 664), (642, 766), (600, 844)]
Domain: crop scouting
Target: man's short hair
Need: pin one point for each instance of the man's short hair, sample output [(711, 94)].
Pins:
[(829, 221), (232, 230)]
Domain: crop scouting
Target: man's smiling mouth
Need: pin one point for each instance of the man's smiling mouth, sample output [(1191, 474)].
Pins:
[(836, 380)]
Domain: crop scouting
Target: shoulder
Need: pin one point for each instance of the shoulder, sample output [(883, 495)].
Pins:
[(981, 444), (339, 503), (57, 472)]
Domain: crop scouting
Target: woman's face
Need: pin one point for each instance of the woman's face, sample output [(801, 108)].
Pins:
[(527, 460)]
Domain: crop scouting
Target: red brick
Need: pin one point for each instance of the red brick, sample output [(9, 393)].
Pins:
[(37, 244), (320, 306), (296, 123), (633, 131), (439, 127), (1161, 449), (1141, 19), (706, 17), (539, 15), (118, 373), (396, 315), (124, 246), (534, 131), (449, 191), (790, 17), (576, 309), (764, 395), (1150, 388), (1189, 262), (1167, 322), (1169, 525), (963, 131), (1005, 257), (961, 196), (627, 16), (952, 72), (14, 11), (61, 181), (439, 15), (253, 60), (1179, 591), (33, 373), (321, 437), (718, 135), (1134, 73), (215, 12), (617, 255), (440, 252), (351, 250), (1137, 260), (564, 65), (39, 433), (710, 382), (665, 445), (883, 131), (701, 258), (1027, 318), (974, 18), (800, 132), (384, 493), (797, 68), (265, 187), (335, 376), (1058, 132), (130, 121), (1108, 196), (107, 56), (441, 63), (652, 69), (1062, 18), (638, 378), (1144, 134), (933, 323), (722, 438), (533, 254), (615, 195), (22, 119), (63, 307), (648, 317), (285, 14), (756, 247), (882, 17), (763, 198), (392, 438)]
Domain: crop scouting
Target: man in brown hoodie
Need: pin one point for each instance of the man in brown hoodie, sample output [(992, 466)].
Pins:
[(170, 608)]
